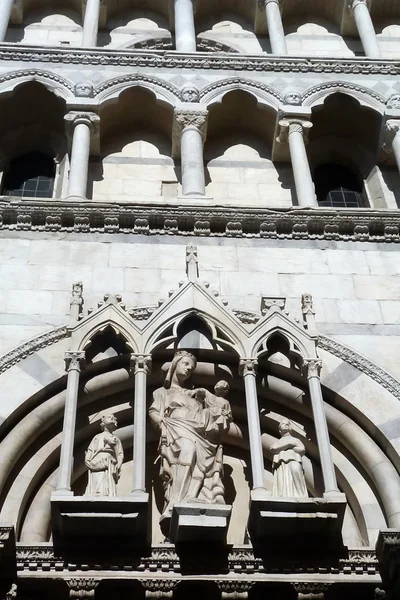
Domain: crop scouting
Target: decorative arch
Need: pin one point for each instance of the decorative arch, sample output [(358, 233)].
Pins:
[(113, 88), (60, 86), (316, 95), (264, 94)]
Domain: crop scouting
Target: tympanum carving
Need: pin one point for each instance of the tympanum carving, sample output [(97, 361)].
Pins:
[(190, 421), (104, 459)]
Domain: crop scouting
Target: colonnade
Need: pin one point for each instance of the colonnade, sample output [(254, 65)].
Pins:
[(185, 31), (141, 366)]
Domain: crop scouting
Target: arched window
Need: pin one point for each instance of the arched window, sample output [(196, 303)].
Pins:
[(30, 175), (337, 186)]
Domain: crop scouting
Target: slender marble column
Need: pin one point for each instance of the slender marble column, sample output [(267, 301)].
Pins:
[(5, 16), (248, 369), (91, 23), (141, 366), (82, 126), (185, 33), (275, 27), (73, 363), (191, 126), (295, 131), (366, 29), (313, 369)]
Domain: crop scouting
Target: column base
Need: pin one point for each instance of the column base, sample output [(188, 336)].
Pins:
[(92, 521), (198, 522), (195, 198), (75, 198)]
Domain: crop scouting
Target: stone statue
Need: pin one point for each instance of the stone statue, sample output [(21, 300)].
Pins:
[(190, 422), (104, 459), (287, 464)]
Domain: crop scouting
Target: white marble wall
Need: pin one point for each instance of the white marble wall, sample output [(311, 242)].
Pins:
[(356, 286)]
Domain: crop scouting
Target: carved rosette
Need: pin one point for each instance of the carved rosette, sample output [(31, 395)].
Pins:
[(74, 361), (312, 367), (158, 589), (287, 126), (141, 363), (82, 588), (248, 366)]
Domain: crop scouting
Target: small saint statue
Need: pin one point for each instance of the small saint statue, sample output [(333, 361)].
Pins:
[(104, 459), (287, 464)]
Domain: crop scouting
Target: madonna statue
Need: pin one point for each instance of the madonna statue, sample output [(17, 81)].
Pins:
[(190, 422), (287, 464)]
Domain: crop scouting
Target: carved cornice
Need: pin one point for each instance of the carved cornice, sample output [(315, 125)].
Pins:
[(161, 59), (14, 356), (164, 559), (293, 223)]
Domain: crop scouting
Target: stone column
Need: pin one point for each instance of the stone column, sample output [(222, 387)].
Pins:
[(6, 7), (392, 131), (275, 27), (185, 33), (91, 23), (312, 367), (141, 366), (81, 126), (248, 370), (73, 363), (295, 132), (191, 126), (365, 28)]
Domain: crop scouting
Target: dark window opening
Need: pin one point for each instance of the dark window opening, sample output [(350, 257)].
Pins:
[(337, 186), (31, 175)]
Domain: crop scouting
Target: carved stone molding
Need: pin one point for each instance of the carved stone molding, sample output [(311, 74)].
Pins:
[(288, 126), (74, 360), (247, 366), (141, 362), (312, 367), (82, 588)]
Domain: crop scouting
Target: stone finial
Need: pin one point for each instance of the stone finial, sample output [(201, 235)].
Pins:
[(192, 263), (76, 302), (83, 89), (308, 312), (190, 93), (290, 125)]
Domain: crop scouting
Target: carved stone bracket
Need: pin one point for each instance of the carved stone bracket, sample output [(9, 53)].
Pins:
[(74, 360), (289, 125), (312, 367), (310, 590), (141, 362), (82, 588), (158, 589), (235, 590), (247, 366)]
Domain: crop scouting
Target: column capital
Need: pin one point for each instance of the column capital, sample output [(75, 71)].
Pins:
[(74, 360), (310, 590), (141, 363), (289, 125), (77, 117), (82, 588), (352, 4), (190, 117), (265, 2), (248, 366), (312, 367), (234, 590), (158, 589)]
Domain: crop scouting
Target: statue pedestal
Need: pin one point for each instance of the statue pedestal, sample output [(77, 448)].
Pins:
[(297, 522), (199, 522), (91, 520)]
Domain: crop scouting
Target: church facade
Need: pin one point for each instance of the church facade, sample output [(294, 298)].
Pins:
[(200, 323)]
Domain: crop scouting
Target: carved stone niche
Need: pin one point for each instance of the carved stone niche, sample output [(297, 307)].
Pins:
[(292, 525), (200, 523), (91, 521)]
